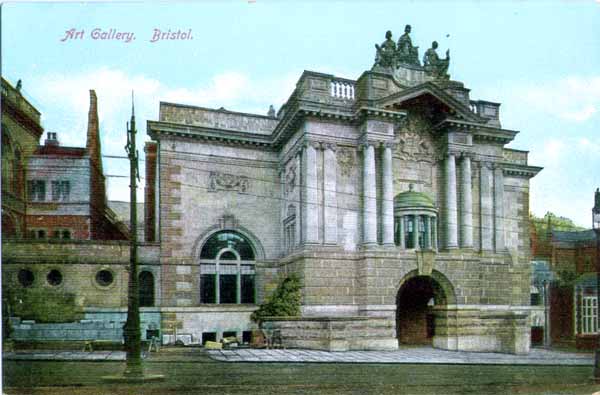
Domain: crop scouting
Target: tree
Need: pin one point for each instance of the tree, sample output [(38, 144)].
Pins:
[(284, 302)]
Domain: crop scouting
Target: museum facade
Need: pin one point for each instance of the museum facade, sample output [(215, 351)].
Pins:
[(392, 197)]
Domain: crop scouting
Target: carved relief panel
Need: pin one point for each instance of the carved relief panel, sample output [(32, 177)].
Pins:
[(227, 182), (414, 141)]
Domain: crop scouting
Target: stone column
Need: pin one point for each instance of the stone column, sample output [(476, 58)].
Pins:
[(435, 233), (451, 207), (283, 209), (486, 206), (499, 208), (429, 223), (238, 284), (466, 226), (310, 209), (402, 239), (330, 195), (387, 204), (369, 195), (297, 186), (416, 232)]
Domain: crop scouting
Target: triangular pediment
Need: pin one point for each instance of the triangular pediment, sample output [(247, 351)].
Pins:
[(428, 95)]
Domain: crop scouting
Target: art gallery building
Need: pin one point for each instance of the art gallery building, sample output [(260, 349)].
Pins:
[(393, 197)]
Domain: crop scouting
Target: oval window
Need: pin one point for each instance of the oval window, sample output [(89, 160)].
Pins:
[(54, 277), (26, 277), (104, 278)]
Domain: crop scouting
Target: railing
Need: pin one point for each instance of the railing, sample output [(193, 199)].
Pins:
[(342, 89)]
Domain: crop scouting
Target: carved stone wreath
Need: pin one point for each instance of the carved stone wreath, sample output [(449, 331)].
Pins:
[(228, 182)]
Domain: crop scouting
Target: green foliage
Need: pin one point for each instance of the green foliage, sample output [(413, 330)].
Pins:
[(543, 226), (285, 301), (566, 278), (45, 305)]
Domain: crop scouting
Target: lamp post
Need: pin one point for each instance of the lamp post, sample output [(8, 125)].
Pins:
[(131, 330), (134, 372), (596, 227)]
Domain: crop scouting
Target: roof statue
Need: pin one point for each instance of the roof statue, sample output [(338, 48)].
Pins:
[(402, 59), (433, 65), (385, 56), (406, 52)]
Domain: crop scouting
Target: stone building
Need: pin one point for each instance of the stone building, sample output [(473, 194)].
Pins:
[(21, 132), (392, 196)]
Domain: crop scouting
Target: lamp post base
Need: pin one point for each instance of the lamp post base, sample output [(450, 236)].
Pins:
[(125, 378)]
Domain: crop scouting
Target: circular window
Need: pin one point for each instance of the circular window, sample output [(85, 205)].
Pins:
[(26, 277), (54, 277), (104, 278)]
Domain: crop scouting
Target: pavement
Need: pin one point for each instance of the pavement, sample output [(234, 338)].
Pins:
[(406, 355)]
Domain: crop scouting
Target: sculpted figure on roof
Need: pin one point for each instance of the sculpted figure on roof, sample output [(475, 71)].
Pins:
[(407, 53), (435, 66), (386, 53)]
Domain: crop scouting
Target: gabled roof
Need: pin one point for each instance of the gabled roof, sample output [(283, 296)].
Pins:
[(429, 88), (583, 235)]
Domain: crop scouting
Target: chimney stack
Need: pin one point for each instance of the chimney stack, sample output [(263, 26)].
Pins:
[(51, 140)]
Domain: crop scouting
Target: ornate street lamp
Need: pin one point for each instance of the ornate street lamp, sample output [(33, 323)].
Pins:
[(596, 227), (134, 371)]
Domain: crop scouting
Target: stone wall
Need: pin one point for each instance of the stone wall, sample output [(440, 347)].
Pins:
[(98, 325), (335, 334)]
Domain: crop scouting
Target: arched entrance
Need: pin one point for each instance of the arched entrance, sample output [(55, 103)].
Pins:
[(415, 301)]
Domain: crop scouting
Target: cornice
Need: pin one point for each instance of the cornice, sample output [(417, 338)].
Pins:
[(157, 129)]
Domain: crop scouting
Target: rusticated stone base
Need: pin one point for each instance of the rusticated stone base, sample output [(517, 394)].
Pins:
[(481, 330), (335, 333)]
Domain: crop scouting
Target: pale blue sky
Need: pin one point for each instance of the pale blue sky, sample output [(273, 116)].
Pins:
[(540, 59)]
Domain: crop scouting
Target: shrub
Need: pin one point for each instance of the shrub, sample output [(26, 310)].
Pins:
[(45, 305), (285, 301)]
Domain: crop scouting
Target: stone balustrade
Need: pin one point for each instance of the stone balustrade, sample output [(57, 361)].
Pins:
[(342, 89)]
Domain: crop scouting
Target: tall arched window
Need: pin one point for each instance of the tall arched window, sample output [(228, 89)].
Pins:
[(227, 269), (7, 162)]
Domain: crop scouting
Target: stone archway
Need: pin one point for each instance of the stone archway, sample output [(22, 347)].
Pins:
[(415, 302)]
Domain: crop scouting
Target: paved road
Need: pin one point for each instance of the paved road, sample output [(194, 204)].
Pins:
[(193, 371), (412, 355)]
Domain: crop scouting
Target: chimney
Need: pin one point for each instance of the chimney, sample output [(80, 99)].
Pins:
[(97, 186), (93, 133), (51, 140)]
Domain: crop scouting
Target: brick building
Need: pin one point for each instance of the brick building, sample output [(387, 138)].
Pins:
[(392, 196), (66, 190), (573, 299)]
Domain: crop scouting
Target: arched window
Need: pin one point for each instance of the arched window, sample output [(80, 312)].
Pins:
[(146, 282), (7, 162), (227, 269), (18, 174)]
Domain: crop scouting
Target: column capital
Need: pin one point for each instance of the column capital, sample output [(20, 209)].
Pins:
[(329, 146), (365, 142), (486, 164), (467, 155), (388, 144), (311, 143)]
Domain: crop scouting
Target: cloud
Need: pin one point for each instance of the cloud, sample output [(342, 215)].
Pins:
[(573, 98), (64, 102), (565, 186)]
